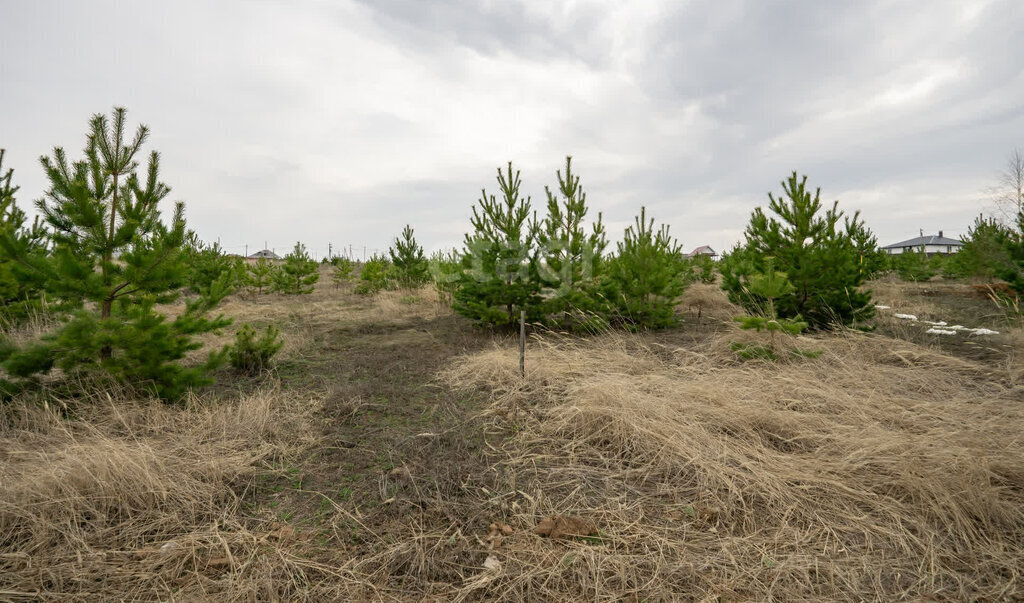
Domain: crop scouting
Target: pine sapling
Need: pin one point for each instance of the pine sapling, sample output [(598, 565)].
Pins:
[(253, 351), (769, 286), (298, 274), (261, 274), (113, 261), (411, 268), (342, 271)]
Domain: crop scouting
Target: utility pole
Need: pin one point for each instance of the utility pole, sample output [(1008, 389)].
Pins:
[(328, 252), (364, 253), (246, 250)]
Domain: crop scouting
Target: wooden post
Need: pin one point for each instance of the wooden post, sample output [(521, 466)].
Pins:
[(522, 343)]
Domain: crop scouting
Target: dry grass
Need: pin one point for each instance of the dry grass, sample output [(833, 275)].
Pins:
[(140, 500), (882, 470)]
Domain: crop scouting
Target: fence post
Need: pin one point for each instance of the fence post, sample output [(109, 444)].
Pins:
[(522, 343)]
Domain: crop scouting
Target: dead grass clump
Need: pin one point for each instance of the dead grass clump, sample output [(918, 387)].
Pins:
[(136, 499), (881, 470), (708, 300)]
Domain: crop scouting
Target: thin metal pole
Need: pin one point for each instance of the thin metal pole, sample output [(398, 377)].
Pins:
[(522, 343)]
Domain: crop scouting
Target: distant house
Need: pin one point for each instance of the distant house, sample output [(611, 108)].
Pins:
[(265, 254), (932, 244), (703, 250)]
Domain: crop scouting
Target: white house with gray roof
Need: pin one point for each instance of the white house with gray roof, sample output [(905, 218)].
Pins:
[(932, 244)]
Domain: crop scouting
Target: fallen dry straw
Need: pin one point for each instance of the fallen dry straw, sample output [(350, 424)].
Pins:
[(134, 499), (881, 470)]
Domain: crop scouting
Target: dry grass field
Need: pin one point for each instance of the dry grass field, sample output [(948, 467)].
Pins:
[(395, 453)]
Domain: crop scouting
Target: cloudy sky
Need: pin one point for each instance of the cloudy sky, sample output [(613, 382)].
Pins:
[(339, 121)]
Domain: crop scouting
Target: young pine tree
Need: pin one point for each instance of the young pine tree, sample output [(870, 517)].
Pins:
[(261, 274), (647, 275), (113, 261), (810, 246), (768, 286), (445, 272), (984, 252), (375, 276), (411, 267), (208, 264), (298, 273), (342, 271), (19, 288), (1011, 269), (498, 279), (871, 261), (571, 264)]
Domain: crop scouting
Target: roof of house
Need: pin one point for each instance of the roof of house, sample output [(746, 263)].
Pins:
[(928, 240), (703, 249), (266, 253)]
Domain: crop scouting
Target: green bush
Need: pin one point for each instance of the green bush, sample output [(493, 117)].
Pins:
[(647, 275), (820, 257), (252, 352)]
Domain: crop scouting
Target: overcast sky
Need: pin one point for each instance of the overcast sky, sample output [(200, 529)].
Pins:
[(339, 122)]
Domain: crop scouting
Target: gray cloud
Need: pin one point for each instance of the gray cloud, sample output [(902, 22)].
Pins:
[(340, 122)]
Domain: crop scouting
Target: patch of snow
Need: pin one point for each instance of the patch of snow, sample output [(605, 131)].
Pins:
[(935, 331), (906, 316), (941, 323), (170, 546), (983, 331), (958, 328), (881, 307)]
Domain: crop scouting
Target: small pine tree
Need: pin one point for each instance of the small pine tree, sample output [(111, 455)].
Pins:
[(498, 279), (1011, 269), (819, 257), (20, 290), (702, 268), (261, 274), (298, 274), (342, 272), (375, 276), (769, 286), (914, 266), (411, 268), (571, 263), (445, 271), (871, 261), (253, 352), (984, 252), (647, 275), (208, 264), (113, 260)]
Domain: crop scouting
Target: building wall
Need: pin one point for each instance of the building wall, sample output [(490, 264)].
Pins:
[(929, 249)]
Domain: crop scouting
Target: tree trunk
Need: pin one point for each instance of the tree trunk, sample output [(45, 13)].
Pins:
[(105, 351)]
